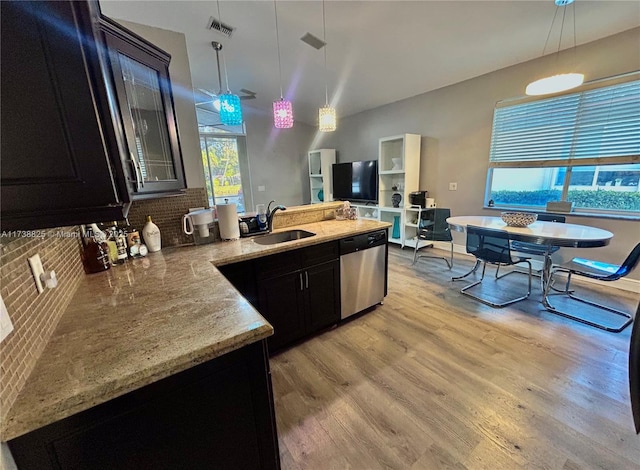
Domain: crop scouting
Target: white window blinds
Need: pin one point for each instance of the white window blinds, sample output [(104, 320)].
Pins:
[(596, 126)]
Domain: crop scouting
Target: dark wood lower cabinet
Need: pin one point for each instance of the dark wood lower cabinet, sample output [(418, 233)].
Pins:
[(281, 301), (215, 415), (323, 295), (297, 291)]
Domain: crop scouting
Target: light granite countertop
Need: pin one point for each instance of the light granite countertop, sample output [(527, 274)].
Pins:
[(148, 319)]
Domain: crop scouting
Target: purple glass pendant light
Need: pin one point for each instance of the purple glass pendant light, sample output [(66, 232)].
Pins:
[(282, 109)]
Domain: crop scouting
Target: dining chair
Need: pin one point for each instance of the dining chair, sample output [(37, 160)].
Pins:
[(592, 270), (535, 249), (493, 247), (433, 227)]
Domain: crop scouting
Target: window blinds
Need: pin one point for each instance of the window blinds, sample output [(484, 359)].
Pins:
[(596, 126)]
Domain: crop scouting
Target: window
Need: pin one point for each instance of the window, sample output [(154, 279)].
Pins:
[(222, 158), (581, 147)]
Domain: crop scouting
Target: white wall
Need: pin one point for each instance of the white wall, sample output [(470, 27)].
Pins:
[(180, 74), (456, 122)]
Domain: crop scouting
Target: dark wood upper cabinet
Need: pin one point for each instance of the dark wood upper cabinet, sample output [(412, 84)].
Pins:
[(55, 165), (68, 127), (139, 73)]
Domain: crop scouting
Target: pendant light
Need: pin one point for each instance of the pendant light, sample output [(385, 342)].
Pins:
[(230, 110), (282, 109), (563, 81), (327, 114)]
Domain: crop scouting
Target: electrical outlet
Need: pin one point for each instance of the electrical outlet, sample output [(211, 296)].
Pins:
[(36, 268), (453, 186)]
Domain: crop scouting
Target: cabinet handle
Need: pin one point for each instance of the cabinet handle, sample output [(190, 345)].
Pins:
[(301, 285), (138, 170), (306, 275)]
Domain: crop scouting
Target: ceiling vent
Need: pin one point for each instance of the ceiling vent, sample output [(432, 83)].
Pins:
[(223, 28), (313, 41)]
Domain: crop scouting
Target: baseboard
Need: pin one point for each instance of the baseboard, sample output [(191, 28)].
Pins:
[(625, 284)]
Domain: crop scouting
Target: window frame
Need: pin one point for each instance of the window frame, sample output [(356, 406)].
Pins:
[(563, 159), (243, 163)]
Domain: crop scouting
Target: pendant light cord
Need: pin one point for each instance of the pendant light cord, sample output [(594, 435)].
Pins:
[(546, 43), (224, 62), (275, 9), (324, 38)]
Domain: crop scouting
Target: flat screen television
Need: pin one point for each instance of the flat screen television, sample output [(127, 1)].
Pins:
[(356, 181)]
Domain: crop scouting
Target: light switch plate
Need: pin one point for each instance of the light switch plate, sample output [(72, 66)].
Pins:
[(261, 188), (6, 326), (453, 186), (36, 268)]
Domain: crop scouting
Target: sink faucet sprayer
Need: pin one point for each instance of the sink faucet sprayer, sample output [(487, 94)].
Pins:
[(270, 214)]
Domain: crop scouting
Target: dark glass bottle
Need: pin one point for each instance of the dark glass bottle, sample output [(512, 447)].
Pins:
[(95, 254)]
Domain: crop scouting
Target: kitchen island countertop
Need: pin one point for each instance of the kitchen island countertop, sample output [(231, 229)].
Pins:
[(146, 320)]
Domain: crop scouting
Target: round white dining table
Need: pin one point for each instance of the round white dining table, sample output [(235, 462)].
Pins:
[(548, 234), (541, 233)]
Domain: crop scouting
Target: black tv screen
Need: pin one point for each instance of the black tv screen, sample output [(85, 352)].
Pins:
[(356, 181)]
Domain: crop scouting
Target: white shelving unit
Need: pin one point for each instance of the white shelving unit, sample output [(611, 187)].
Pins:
[(398, 173), (366, 211), (320, 162)]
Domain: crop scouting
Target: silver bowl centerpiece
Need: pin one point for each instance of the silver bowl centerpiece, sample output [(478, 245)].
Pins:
[(519, 219)]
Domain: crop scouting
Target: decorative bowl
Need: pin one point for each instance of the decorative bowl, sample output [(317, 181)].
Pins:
[(518, 219)]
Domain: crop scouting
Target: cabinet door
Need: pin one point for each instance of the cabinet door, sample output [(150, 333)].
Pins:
[(215, 415), (322, 283), (55, 149), (281, 302), (141, 78)]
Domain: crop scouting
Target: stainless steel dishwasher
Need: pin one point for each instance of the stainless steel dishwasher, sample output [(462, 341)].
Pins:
[(362, 271)]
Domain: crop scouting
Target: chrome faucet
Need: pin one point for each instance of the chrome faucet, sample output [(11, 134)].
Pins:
[(270, 214)]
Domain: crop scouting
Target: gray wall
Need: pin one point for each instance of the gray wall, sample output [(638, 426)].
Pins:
[(278, 159), (456, 124), (175, 44)]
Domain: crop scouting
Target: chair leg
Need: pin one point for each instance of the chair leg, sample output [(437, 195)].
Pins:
[(415, 251), (446, 260), (547, 305), (473, 270), (496, 304)]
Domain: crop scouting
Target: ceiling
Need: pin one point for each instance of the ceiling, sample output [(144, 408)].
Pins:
[(378, 52)]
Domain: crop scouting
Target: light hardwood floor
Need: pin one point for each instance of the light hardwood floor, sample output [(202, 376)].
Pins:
[(435, 380)]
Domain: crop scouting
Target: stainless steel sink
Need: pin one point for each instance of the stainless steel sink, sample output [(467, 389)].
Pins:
[(280, 237)]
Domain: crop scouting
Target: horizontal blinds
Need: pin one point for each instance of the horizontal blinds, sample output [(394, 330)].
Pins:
[(593, 125)]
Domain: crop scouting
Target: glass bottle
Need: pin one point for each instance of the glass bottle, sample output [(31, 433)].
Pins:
[(95, 252), (112, 243)]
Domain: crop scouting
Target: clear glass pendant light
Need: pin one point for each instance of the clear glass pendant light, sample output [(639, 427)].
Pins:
[(327, 115)]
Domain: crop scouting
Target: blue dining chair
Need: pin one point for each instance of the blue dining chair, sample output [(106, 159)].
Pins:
[(493, 247), (592, 270)]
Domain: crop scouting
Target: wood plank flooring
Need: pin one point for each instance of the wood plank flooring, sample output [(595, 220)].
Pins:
[(435, 380)]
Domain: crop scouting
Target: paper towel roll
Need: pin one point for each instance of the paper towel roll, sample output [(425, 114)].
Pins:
[(228, 221)]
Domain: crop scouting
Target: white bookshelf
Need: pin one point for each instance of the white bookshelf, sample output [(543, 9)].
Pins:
[(398, 172), (320, 162)]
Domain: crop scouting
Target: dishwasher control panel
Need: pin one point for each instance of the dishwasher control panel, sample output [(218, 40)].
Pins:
[(362, 242)]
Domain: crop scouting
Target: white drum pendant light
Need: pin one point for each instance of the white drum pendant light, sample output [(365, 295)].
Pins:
[(562, 81)]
